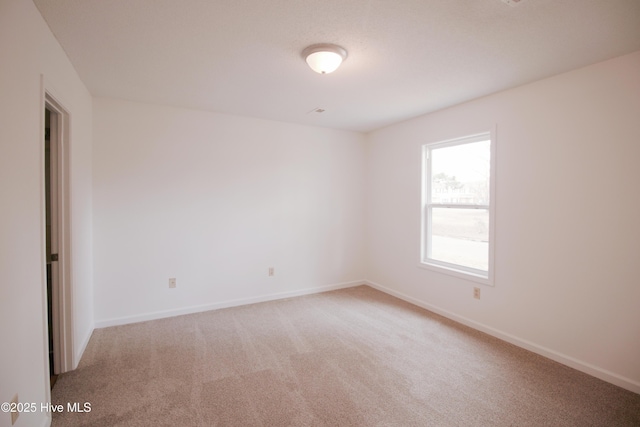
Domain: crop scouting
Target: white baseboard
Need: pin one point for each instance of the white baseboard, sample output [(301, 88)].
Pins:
[(579, 365), (224, 304)]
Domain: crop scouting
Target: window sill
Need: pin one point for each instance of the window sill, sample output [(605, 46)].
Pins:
[(465, 275)]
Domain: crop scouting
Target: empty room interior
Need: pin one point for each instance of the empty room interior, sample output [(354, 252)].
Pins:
[(201, 225)]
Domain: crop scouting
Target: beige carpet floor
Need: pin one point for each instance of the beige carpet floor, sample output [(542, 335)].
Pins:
[(353, 357)]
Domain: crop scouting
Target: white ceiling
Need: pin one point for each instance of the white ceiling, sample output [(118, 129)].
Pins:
[(406, 57)]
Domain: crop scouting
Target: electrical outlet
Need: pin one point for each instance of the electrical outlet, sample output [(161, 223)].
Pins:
[(172, 282), (272, 272), (14, 414), (476, 293)]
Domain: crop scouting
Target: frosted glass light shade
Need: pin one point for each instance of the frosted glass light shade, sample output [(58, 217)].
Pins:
[(324, 58), (324, 62)]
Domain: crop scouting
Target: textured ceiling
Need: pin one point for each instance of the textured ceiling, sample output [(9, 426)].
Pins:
[(406, 57)]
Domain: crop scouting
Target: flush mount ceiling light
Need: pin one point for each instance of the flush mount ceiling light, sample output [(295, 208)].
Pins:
[(324, 58)]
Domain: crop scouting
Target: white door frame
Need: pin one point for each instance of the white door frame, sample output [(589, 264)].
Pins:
[(60, 218)]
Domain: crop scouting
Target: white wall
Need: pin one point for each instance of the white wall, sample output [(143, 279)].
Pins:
[(568, 203), (214, 201), (28, 51)]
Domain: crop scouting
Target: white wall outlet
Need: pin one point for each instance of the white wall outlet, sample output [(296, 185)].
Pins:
[(476, 293), (14, 414), (272, 272), (172, 282)]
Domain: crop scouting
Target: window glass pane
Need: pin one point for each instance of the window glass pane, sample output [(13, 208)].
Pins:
[(460, 174), (460, 236)]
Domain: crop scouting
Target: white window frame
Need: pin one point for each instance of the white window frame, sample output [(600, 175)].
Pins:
[(457, 270)]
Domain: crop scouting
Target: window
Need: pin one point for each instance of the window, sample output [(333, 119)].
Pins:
[(456, 206)]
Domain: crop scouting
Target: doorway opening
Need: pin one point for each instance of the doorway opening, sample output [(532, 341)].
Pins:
[(58, 309)]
